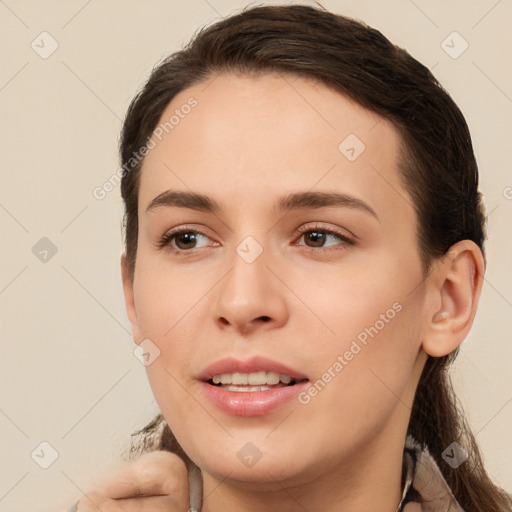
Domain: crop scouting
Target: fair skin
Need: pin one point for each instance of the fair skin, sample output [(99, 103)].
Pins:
[(155, 482), (248, 142)]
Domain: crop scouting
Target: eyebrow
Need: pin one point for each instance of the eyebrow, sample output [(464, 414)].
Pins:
[(288, 202)]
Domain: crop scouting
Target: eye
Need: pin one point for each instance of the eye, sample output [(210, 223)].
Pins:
[(182, 240), (185, 239), (318, 236)]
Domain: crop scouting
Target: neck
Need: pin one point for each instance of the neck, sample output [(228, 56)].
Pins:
[(370, 480)]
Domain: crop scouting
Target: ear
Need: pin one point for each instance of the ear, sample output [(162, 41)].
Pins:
[(454, 290), (129, 299)]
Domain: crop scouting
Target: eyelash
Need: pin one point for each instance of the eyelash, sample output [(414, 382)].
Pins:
[(164, 242)]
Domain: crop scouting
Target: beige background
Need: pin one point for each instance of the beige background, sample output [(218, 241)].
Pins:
[(68, 374)]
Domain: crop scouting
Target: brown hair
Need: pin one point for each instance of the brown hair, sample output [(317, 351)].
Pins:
[(437, 164)]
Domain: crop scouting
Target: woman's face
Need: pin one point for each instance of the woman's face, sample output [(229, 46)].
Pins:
[(308, 268)]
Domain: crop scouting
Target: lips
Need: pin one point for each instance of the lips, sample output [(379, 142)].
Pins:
[(253, 365), (250, 388)]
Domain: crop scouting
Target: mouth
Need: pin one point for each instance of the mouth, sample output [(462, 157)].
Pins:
[(252, 382), (250, 388)]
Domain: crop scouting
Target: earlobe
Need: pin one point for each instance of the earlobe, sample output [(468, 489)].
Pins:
[(455, 289), (129, 298)]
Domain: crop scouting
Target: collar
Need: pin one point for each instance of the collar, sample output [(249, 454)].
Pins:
[(425, 489)]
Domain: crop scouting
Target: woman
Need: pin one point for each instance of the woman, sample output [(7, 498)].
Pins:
[(304, 256)]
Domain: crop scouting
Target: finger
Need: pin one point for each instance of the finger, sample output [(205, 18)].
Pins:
[(94, 502), (158, 473)]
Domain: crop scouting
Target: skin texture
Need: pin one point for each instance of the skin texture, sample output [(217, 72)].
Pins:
[(155, 482), (249, 141)]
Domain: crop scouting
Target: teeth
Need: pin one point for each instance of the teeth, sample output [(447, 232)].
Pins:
[(257, 378), (239, 378), (251, 379), (285, 379), (247, 388), (272, 378)]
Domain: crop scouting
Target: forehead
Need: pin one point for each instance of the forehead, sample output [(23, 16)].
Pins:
[(247, 136)]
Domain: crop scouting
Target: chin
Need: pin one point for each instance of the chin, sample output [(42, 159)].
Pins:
[(248, 466)]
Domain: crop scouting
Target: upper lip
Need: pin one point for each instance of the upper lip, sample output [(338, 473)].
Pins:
[(255, 364)]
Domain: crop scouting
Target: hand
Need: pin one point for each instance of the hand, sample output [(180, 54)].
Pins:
[(155, 482)]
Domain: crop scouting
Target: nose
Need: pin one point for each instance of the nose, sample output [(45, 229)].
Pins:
[(250, 297)]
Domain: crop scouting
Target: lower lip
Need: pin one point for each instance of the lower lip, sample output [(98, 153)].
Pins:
[(251, 403)]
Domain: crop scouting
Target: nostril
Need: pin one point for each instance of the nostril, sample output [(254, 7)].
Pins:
[(265, 318)]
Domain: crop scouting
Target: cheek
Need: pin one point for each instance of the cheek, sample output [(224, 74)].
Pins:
[(167, 295), (347, 301), (166, 316), (364, 376), (366, 361)]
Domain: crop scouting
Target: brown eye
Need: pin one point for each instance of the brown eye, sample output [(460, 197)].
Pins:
[(183, 240), (316, 238)]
